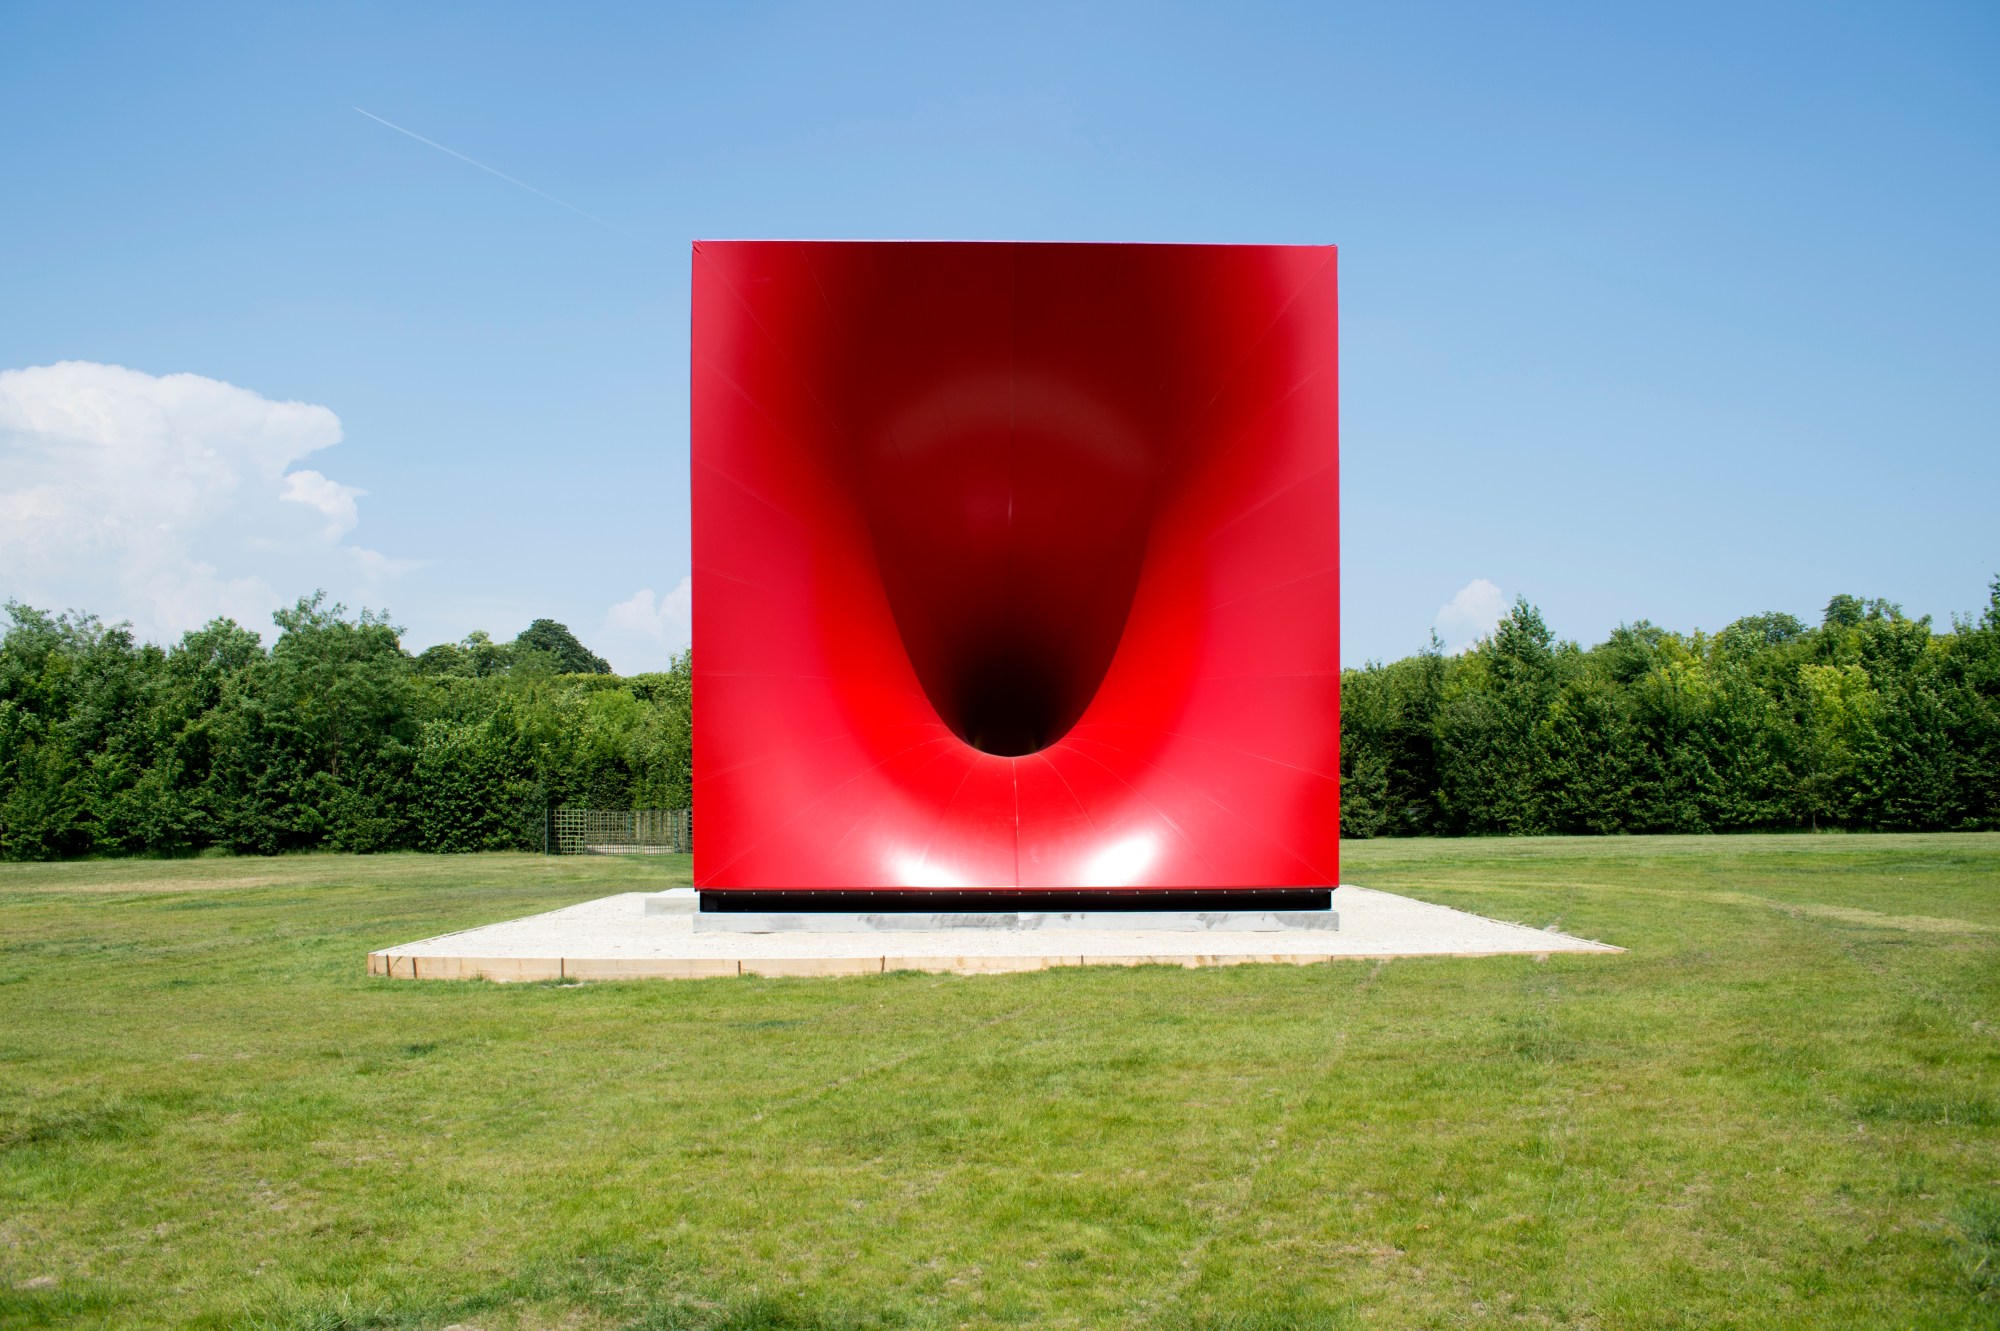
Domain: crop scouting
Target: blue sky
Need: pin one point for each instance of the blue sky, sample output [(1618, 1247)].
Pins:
[(1679, 312)]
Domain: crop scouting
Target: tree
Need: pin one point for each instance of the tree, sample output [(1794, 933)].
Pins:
[(1843, 611), (1493, 727), (477, 657), (557, 644)]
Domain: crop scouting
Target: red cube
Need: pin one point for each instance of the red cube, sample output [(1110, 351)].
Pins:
[(1016, 575)]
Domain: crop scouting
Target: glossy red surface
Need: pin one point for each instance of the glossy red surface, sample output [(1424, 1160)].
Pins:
[(1016, 566)]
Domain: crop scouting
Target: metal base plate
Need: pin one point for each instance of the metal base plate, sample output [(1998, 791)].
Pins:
[(831, 922)]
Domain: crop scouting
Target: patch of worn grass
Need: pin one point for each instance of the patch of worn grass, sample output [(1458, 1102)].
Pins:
[(1780, 1108)]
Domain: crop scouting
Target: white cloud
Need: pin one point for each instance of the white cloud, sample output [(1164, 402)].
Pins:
[(329, 497), (646, 629), (169, 499), (1470, 615), (376, 566)]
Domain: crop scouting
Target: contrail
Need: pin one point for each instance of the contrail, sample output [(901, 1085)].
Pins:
[(502, 174)]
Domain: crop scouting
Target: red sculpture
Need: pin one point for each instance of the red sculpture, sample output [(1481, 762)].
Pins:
[(1016, 574)]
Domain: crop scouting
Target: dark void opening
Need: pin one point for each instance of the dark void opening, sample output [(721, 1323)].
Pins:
[(1008, 705)]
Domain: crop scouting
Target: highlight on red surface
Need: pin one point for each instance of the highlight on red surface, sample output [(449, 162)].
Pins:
[(1016, 573)]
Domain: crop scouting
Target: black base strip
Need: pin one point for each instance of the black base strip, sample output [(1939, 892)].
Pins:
[(973, 900)]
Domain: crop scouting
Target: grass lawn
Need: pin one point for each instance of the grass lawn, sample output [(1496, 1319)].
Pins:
[(1781, 1108)]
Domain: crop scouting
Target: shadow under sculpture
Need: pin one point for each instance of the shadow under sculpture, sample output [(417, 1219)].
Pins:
[(1016, 577)]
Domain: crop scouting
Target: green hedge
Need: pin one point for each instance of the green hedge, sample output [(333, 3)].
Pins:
[(334, 737), (1871, 720)]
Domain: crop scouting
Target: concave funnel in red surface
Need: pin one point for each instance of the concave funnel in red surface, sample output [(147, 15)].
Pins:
[(1016, 574)]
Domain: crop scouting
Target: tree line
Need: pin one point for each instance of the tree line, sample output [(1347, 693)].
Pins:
[(336, 737), (1870, 720), (333, 737)]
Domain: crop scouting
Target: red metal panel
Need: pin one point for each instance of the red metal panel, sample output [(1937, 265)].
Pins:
[(1016, 566)]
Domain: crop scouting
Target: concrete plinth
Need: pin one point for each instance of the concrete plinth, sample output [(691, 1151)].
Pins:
[(631, 936)]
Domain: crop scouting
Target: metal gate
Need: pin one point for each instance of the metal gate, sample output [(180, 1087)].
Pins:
[(619, 832)]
